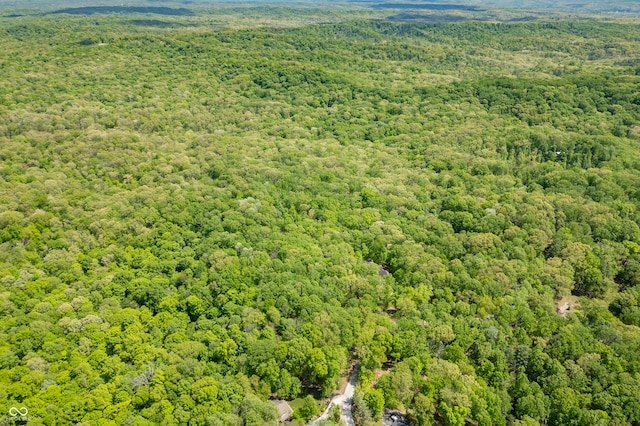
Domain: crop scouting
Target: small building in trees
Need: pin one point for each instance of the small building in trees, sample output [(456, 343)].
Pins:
[(284, 408)]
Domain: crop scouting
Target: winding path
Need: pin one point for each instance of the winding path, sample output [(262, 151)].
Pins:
[(344, 401)]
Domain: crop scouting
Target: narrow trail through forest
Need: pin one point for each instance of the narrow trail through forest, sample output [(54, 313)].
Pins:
[(343, 400)]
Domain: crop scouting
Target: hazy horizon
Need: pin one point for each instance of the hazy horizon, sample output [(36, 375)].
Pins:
[(621, 6)]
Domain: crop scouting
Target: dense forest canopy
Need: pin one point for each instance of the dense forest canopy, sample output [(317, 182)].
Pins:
[(204, 213)]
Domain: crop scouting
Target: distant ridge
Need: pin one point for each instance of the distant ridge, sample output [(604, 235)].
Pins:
[(90, 10), (427, 6), (435, 18)]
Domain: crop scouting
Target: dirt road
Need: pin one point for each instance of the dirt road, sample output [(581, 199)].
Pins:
[(343, 401)]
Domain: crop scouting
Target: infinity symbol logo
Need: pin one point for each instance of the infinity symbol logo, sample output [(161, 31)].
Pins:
[(15, 412)]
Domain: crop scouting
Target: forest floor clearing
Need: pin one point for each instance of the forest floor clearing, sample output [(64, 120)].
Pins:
[(566, 305)]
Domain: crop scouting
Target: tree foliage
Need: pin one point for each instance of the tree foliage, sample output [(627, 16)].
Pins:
[(197, 220)]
